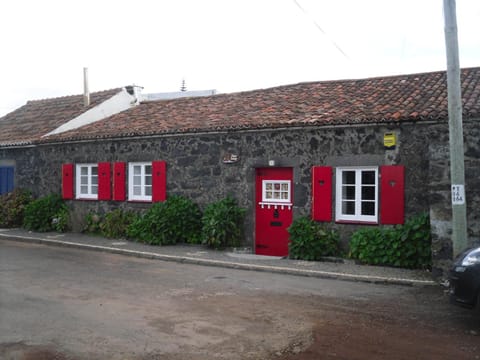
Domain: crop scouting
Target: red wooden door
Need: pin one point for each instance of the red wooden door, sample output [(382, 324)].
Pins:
[(273, 210)]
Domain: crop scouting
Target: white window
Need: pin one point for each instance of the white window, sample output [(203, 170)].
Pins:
[(276, 191), (357, 194), (86, 181), (140, 181)]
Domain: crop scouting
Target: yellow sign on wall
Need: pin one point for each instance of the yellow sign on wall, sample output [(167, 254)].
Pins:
[(389, 140)]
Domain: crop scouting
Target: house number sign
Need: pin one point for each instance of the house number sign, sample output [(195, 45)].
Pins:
[(458, 194)]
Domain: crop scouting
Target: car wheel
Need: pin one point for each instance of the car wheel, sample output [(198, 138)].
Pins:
[(477, 305)]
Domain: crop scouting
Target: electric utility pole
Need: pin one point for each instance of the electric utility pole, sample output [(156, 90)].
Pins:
[(457, 168)]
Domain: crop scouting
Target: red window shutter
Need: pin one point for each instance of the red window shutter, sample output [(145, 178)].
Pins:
[(159, 181), (119, 184), (67, 181), (322, 193), (392, 194), (104, 185)]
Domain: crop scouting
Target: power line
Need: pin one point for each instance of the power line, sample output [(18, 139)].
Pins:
[(321, 30)]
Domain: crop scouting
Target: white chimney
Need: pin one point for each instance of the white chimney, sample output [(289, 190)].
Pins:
[(86, 93)]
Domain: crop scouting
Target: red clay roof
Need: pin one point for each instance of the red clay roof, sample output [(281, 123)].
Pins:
[(395, 99), (39, 117)]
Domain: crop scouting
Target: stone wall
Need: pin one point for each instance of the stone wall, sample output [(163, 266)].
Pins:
[(195, 168), (439, 195)]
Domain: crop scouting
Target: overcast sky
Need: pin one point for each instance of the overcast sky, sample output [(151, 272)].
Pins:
[(227, 45)]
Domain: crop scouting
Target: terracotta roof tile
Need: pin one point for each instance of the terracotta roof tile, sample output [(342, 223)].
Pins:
[(38, 117), (415, 97)]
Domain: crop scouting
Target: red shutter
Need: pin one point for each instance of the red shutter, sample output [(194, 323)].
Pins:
[(392, 198), (67, 181), (322, 193), (104, 185), (159, 181), (119, 183)]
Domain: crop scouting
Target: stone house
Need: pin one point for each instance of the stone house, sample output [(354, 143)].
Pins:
[(21, 128), (349, 153)]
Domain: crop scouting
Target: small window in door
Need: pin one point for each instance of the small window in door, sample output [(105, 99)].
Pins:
[(276, 191)]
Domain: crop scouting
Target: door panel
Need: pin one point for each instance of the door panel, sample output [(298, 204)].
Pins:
[(273, 210), (6, 179)]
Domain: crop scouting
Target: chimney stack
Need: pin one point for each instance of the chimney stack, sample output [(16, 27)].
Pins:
[(86, 93)]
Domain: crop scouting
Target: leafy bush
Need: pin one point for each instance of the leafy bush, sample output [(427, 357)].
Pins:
[(407, 245), (175, 220), (115, 223), (222, 224), (46, 214), (310, 241), (93, 222), (60, 221), (12, 206)]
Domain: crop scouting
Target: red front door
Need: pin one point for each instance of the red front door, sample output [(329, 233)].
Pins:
[(273, 210)]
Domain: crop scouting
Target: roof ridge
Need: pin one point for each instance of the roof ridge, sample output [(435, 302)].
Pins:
[(361, 79)]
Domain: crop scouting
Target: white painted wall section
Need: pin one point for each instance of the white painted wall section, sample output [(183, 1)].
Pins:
[(117, 103)]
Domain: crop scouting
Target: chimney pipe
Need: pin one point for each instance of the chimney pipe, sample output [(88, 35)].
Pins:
[(86, 93)]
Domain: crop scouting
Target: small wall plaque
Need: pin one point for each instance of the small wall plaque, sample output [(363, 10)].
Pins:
[(230, 158), (389, 141)]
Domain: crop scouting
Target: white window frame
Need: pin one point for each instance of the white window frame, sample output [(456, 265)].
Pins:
[(92, 185), (357, 217), (143, 185), (266, 199), (282, 203)]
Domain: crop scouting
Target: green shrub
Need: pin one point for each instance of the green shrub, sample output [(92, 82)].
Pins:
[(310, 241), (46, 214), (407, 246), (12, 207), (222, 224), (115, 223), (93, 222), (60, 220), (175, 220)]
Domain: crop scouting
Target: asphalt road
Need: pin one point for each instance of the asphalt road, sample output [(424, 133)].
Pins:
[(59, 303)]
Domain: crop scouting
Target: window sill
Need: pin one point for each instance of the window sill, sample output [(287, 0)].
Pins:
[(276, 205), (356, 222)]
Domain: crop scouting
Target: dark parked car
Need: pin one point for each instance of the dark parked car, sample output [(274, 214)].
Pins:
[(465, 279)]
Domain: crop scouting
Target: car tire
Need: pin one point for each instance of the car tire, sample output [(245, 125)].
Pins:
[(477, 303), (477, 306)]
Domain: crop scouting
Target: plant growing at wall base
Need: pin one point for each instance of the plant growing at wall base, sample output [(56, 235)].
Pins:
[(222, 224), (311, 241), (175, 220), (115, 223), (46, 214), (92, 223), (12, 207), (60, 220), (407, 245)]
